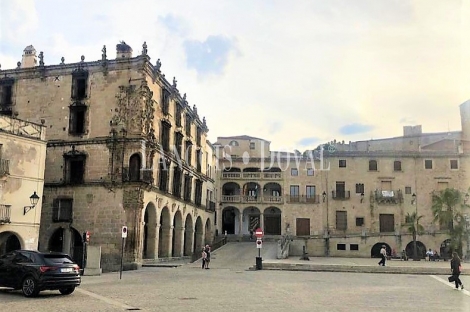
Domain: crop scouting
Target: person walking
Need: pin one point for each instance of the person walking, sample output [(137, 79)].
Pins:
[(456, 267), (383, 255), (207, 250), (204, 257)]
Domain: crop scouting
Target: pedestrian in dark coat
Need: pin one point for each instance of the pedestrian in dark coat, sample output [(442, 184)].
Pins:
[(456, 267)]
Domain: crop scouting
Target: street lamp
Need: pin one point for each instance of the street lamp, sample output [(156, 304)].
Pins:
[(34, 200), (413, 199), (362, 197), (324, 196)]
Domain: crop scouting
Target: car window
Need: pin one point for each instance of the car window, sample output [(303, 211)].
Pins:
[(23, 258), (9, 256), (57, 259)]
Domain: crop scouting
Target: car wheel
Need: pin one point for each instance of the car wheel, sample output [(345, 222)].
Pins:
[(29, 287), (67, 291)]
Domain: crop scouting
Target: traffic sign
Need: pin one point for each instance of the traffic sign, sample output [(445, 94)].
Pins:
[(124, 232), (259, 233), (259, 243)]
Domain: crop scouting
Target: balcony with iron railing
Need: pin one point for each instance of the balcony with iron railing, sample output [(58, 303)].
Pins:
[(340, 195), (4, 167), (252, 175), (303, 199), (388, 197), (5, 212), (248, 199)]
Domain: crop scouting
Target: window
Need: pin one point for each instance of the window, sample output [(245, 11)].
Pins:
[(187, 187), (372, 165), (62, 210), (198, 136), (233, 143), (79, 85), (387, 223), (294, 172), (178, 115), (77, 119), (359, 221), (359, 188), (165, 135), (353, 247), (427, 164), (340, 246), (407, 189), (310, 172), (342, 163), (198, 193), (302, 227), (177, 173), (252, 145), (179, 144), (134, 167), (163, 175), (294, 193), (74, 168), (341, 220), (341, 190), (165, 102), (6, 96), (188, 155), (188, 125), (454, 164), (397, 165), (310, 191), (198, 160)]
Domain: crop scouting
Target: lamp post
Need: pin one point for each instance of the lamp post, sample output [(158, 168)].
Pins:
[(34, 200), (415, 225)]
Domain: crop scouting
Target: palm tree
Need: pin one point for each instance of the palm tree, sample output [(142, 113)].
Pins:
[(413, 227), (447, 208)]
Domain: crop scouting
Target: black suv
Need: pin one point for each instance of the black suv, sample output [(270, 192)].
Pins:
[(33, 271)]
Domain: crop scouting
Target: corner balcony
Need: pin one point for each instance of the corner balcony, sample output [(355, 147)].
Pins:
[(5, 212), (247, 199)]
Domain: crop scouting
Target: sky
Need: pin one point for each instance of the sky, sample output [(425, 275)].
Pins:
[(296, 73)]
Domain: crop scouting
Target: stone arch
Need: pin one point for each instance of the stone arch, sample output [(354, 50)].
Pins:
[(67, 240), (251, 190), (272, 169), (208, 232), (272, 221), (177, 243), (230, 219), (10, 241), (230, 189), (232, 169), (421, 250), (272, 191), (198, 235), (135, 166), (164, 234), (149, 240), (251, 219), (251, 169), (188, 235), (375, 250)]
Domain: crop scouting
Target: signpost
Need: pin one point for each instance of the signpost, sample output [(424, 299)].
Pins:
[(124, 236), (259, 244)]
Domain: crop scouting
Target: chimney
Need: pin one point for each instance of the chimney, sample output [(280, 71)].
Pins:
[(29, 57), (123, 50)]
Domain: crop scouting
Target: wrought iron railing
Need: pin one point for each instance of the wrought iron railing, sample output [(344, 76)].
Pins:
[(5, 212)]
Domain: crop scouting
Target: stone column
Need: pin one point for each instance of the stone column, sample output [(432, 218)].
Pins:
[(240, 224), (179, 242), (261, 221), (167, 235), (188, 243)]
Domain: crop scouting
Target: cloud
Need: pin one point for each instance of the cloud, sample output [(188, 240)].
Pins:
[(175, 24), (355, 128), (210, 56), (308, 142)]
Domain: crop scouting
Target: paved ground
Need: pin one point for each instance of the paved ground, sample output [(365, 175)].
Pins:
[(229, 286)]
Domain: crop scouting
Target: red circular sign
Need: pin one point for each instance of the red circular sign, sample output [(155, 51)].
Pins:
[(259, 233), (259, 242)]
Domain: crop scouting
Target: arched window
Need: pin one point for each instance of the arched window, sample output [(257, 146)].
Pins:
[(233, 143), (372, 165), (134, 167)]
